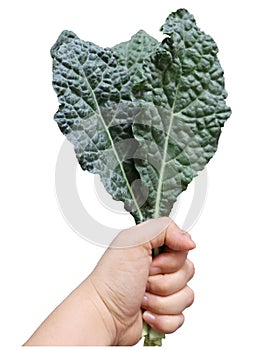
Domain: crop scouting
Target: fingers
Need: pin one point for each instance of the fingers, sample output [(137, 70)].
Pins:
[(167, 284), (166, 297), (177, 243), (168, 262), (163, 323), (169, 305), (167, 294)]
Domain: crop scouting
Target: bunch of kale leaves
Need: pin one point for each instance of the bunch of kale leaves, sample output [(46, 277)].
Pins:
[(145, 116)]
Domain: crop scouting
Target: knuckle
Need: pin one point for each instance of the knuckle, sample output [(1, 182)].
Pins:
[(163, 285), (190, 266), (157, 305), (170, 324), (189, 294), (180, 320), (159, 284)]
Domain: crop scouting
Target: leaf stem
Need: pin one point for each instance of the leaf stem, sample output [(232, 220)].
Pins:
[(162, 169), (99, 114)]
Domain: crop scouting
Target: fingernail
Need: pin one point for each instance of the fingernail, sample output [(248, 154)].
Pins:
[(188, 236), (145, 301), (154, 270), (149, 317), (185, 233)]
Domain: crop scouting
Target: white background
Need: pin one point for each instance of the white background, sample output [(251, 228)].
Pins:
[(41, 258)]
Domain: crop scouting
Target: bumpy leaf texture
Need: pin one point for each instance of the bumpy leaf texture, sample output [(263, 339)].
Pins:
[(97, 110), (184, 85), (145, 116)]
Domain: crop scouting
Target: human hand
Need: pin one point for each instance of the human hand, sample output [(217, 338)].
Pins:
[(127, 280), (106, 308)]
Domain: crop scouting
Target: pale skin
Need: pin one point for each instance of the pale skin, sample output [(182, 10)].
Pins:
[(126, 287)]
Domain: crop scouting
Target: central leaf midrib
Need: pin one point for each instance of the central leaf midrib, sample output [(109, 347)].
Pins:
[(162, 170), (163, 164), (99, 114)]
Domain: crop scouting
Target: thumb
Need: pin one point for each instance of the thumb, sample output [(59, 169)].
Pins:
[(156, 233), (171, 236)]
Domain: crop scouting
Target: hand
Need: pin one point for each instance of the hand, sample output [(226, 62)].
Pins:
[(106, 308), (128, 279)]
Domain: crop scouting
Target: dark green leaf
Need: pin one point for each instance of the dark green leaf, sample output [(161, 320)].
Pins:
[(95, 113), (132, 53), (184, 87)]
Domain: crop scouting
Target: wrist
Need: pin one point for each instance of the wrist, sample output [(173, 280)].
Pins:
[(103, 322)]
